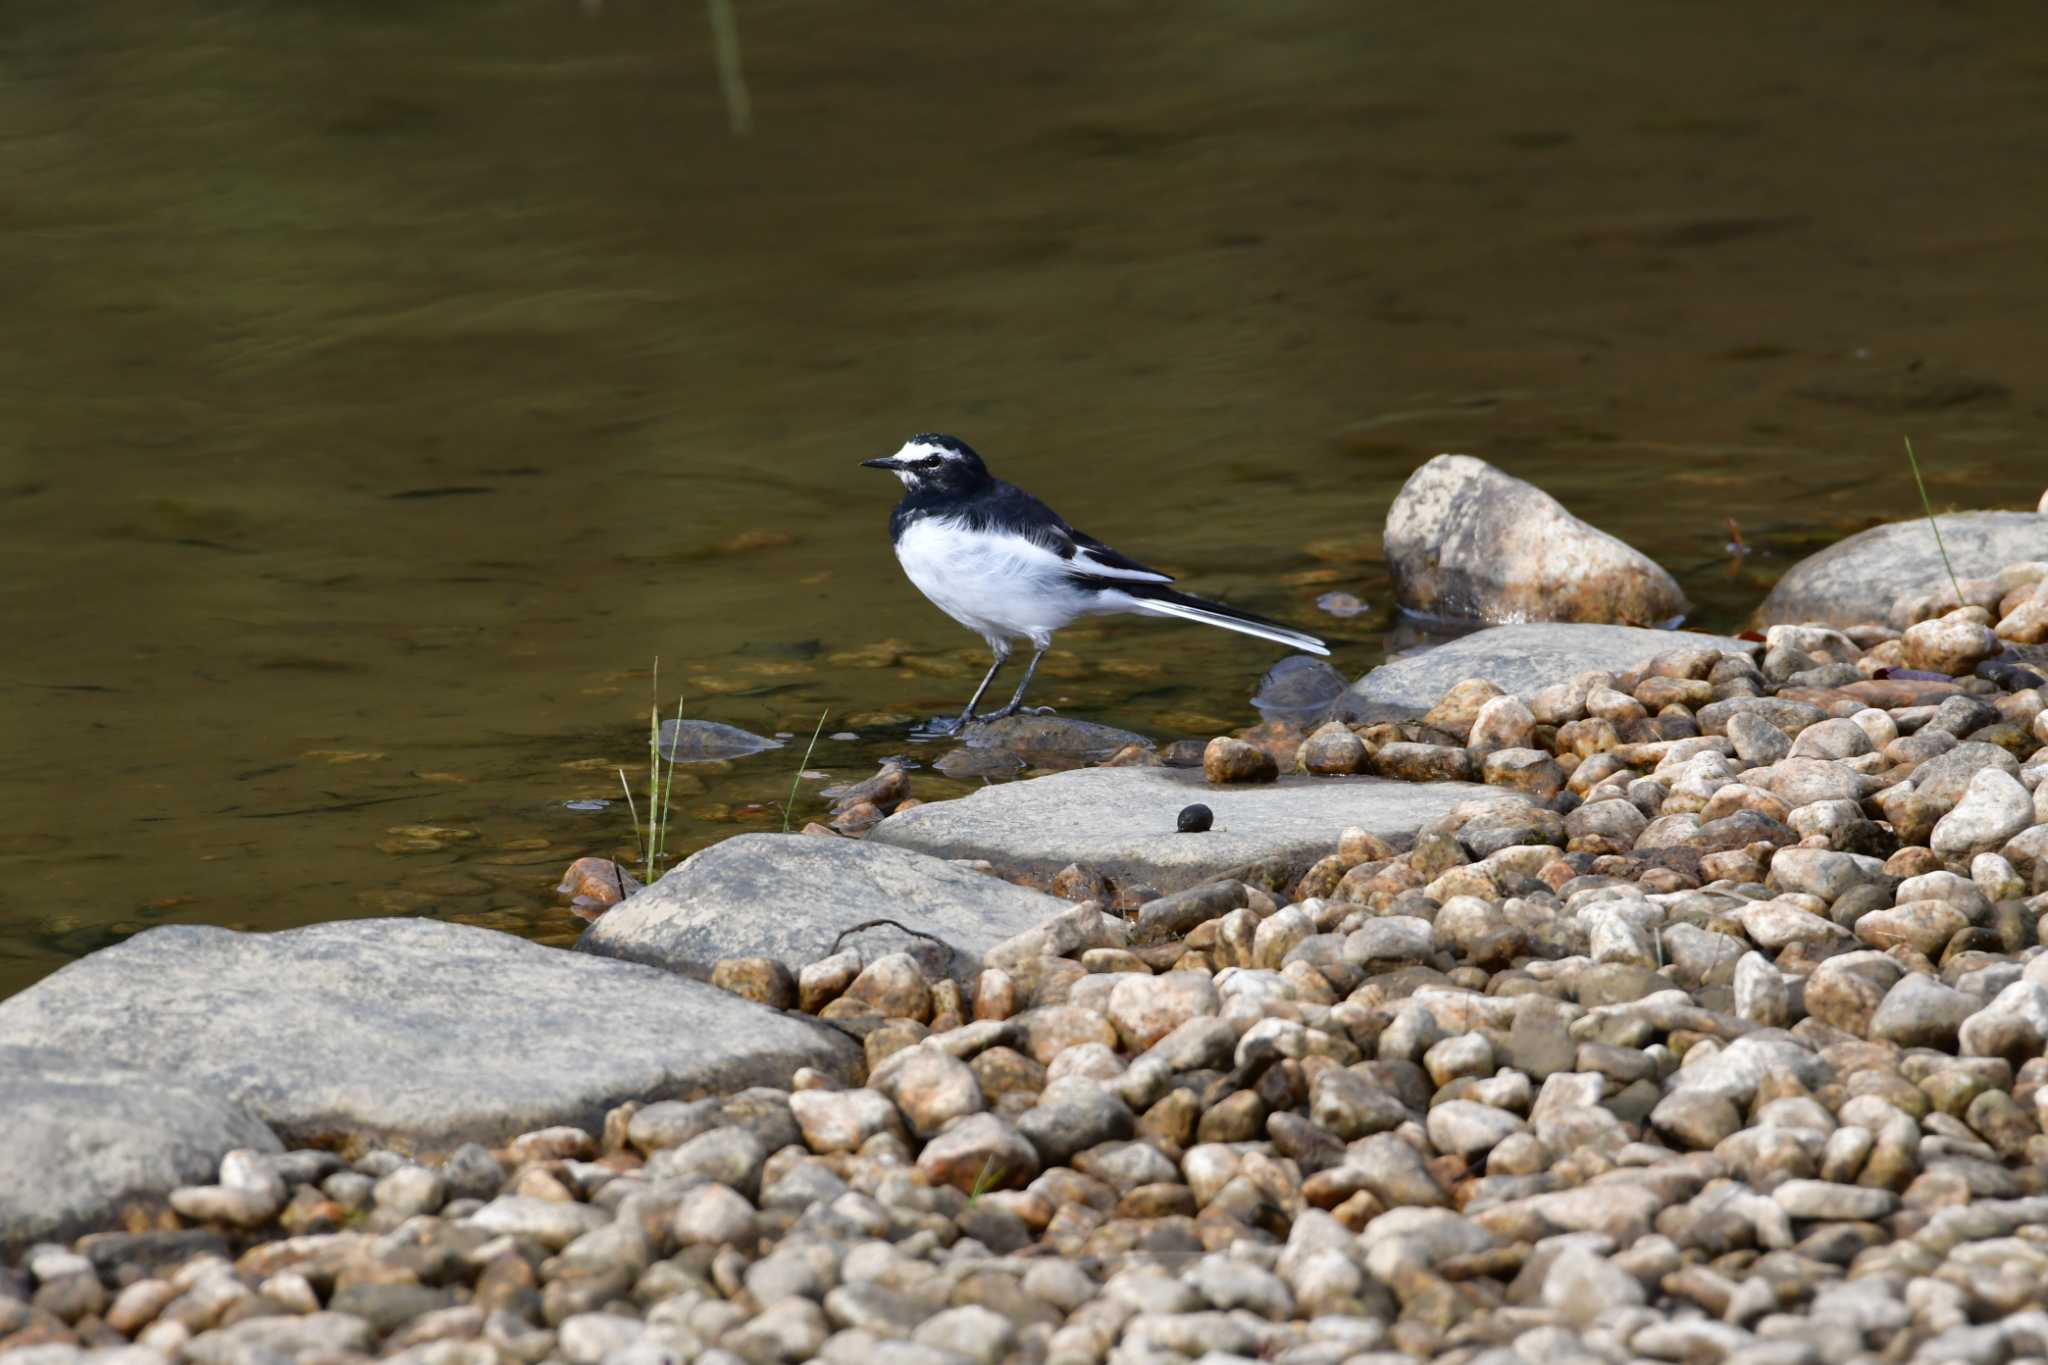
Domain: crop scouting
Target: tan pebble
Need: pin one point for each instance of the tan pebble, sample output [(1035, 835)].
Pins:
[(995, 994), (136, 1306), (763, 980), (1333, 750), (1227, 761), (552, 1144), (892, 1037), (894, 986), (597, 881), (617, 1120)]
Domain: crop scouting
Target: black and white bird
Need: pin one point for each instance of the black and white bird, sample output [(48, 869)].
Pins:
[(1004, 565)]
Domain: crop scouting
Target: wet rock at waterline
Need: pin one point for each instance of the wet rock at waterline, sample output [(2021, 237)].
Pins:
[(1518, 660), (701, 741), (859, 806), (84, 1140), (1857, 580), (1466, 541), (1050, 741), (594, 885), (801, 899), (1123, 822), (1298, 688), (967, 763), (1232, 761), (407, 1033)]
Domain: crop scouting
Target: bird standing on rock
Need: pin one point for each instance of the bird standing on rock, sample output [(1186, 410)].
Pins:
[(1003, 564)]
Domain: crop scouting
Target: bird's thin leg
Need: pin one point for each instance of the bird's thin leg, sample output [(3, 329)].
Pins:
[(952, 727), (1016, 702)]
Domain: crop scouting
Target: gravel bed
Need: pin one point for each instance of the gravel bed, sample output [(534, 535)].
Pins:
[(1713, 1033)]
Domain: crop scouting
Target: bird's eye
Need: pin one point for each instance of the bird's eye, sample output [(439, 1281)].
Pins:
[(930, 462)]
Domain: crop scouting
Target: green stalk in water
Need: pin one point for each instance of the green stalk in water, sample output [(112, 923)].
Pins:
[(790, 804), (668, 790), (653, 795), (639, 839), (732, 81), (1928, 506), (654, 843)]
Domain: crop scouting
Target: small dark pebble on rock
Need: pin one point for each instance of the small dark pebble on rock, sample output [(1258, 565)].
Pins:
[(1195, 819)]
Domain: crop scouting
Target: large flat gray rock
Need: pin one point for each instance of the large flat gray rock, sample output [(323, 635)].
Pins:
[(411, 1033), (1518, 659), (800, 898), (1853, 583), (1120, 821), (84, 1139)]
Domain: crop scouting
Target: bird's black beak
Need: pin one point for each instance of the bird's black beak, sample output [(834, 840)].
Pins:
[(890, 463)]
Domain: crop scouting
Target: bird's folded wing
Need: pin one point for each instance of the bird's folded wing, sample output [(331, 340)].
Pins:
[(1092, 556)]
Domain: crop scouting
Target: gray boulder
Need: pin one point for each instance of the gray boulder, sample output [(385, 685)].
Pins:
[(85, 1139), (408, 1033), (1468, 542), (1854, 582), (801, 899), (1121, 821), (1517, 659)]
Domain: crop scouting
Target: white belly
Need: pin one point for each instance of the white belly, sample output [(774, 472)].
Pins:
[(994, 584)]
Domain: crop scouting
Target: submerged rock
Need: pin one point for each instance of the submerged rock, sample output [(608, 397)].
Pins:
[(1298, 688), (702, 741), (1856, 581), (1466, 541), (1343, 604)]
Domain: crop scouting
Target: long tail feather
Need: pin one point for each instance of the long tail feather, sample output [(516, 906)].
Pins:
[(1166, 602)]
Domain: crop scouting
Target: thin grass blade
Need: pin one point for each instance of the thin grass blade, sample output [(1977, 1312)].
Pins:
[(668, 790), (653, 791), (1927, 505), (790, 804), (639, 840)]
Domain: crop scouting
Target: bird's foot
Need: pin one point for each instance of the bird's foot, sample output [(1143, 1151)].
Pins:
[(939, 727)]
